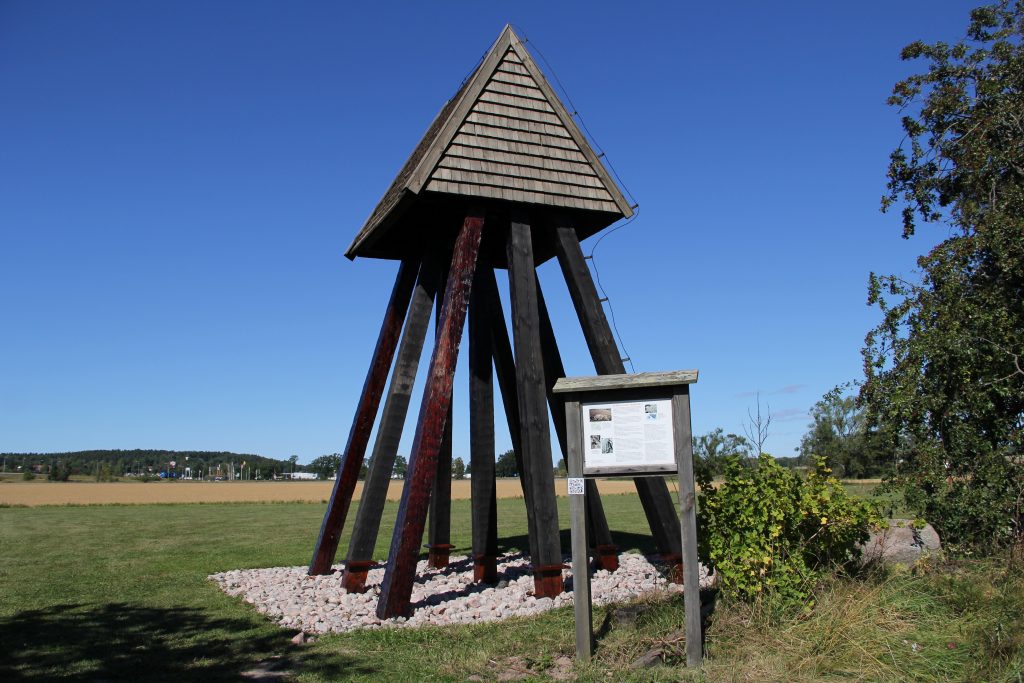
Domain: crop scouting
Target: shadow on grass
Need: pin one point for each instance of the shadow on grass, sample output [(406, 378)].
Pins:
[(128, 642), (637, 615)]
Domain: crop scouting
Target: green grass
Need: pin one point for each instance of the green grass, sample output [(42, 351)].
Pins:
[(120, 593), (955, 621), (890, 502)]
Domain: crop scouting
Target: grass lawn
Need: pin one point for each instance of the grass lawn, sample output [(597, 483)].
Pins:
[(120, 593)]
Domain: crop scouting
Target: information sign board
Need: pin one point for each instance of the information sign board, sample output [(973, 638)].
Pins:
[(628, 437), (632, 425)]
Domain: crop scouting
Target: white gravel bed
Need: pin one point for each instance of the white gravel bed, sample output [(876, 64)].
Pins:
[(318, 604)]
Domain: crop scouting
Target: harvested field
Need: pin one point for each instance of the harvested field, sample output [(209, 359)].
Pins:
[(34, 493)]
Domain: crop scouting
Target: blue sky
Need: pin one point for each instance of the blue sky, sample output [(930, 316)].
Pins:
[(178, 182)]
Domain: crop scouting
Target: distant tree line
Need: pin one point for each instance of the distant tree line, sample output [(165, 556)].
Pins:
[(326, 467), (838, 432), (110, 464)]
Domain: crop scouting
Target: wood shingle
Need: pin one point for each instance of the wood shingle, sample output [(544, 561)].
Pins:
[(504, 136)]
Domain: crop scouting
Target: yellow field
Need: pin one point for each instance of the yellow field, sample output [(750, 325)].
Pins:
[(131, 492)]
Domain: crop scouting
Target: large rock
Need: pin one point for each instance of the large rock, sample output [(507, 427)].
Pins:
[(901, 543)]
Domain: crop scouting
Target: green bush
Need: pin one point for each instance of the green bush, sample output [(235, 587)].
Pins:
[(104, 473), (768, 533), (58, 473), (27, 475)]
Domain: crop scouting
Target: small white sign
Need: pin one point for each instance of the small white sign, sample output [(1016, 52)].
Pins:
[(575, 486)]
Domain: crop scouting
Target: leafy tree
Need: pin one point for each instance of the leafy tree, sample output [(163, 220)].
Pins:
[(458, 469), (326, 466), (944, 377), (58, 472), (505, 466), (837, 433), (401, 467), (712, 449), (561, 470), (104, 473)]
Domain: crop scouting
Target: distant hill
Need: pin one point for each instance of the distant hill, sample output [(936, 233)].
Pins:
[(142, 461)]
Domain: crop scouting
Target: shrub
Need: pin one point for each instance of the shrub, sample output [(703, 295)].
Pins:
[(104, 473), (58, 473), (769, 533)]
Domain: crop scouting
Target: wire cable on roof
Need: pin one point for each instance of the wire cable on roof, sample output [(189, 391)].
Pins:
[(606, 162), (575, 112), (597, 277)]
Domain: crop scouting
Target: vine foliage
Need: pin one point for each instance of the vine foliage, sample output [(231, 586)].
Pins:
[(769, 533)]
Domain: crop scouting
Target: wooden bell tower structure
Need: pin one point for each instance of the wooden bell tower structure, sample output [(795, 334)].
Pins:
[(502, 179)]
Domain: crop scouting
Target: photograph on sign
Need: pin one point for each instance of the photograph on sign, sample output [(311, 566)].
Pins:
[(628, 435)]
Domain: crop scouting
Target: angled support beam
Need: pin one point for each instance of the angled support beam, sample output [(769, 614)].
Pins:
[(505, 369), (606, 553), (534, 437), (439, 535), (396, 589), (362, 423), (439, 520), (396, 407), (654, 494), (481, 436)]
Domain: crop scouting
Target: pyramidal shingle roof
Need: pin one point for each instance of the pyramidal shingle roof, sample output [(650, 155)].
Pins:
[(505, 135)]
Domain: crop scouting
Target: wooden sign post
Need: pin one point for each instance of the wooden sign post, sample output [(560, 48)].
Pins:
[(631, 425)]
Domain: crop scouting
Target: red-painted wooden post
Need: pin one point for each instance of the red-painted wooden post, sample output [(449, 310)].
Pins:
[(396, 590), (362, 423)]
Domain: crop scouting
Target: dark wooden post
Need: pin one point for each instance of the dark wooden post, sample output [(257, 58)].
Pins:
[(653, 492), (396, 407), (439, 536), (481, 436), (582, 608), (439, 519), (396, 589), (688, 522), (505, 369), (362, 423), (535, 438), (606, 553)]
